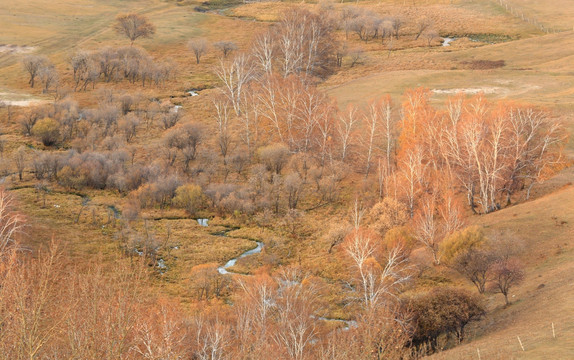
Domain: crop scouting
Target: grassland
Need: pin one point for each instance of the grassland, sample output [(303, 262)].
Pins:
[(536, 70)]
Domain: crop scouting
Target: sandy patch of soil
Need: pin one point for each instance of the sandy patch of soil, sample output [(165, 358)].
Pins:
[(15, 49), (14, 99), (469, 91)]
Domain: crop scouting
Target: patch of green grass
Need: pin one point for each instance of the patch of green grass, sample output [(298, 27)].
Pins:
[(218, 5), (492, 38)]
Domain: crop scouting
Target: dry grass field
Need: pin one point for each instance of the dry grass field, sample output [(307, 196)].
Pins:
[(555, 15)]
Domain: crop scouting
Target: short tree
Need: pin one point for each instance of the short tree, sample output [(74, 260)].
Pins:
[(190, 197), (397, 24), (134, 26), (49, 77), (33, 64), (198, 47), (430, 36), (128, 125), (274, 157), (226, 47), (461, 242), (474, 264), (444, 311), (421, 26), (356, 56), (20, 159), (388, 214), (505, 274), (47, 130)]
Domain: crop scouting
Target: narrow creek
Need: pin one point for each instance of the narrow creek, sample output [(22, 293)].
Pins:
[(223, 269)]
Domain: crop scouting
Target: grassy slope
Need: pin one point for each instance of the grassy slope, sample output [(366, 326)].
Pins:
[(556, 14), (546, 226)]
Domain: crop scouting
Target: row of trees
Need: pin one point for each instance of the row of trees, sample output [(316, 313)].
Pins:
[(368, 25), (107, 64)]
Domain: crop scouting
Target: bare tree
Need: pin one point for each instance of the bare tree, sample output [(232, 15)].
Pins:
[(421, 26), (295, 308), (505, 274), (356, 56), (133, 26), (33, 64), (198, 47), (366, 26), (226, 47), (397, 24), (376, 281), (49, 76), (212, 340), (305, 43), (348, 14), (223, 119), (20, 159), (373, 121), (185, 138), (430, 35), (348, 121), (427, 230), (128, 125), (293, 185), (263, 51), (250, 123), (235, 76), (86, 69), (11, 223), (475, 264), (340, 53), (413, 173)]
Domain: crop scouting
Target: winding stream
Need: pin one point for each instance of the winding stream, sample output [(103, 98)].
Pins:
[(223, 269)]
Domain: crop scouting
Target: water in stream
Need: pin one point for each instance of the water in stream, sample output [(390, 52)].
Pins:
[(223, 269), (446, 41)]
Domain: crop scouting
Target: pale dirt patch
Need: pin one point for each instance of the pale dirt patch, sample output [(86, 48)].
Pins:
[(14, 99), (470, 91), (15, 49)]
